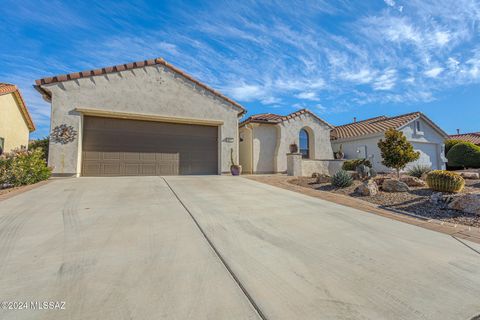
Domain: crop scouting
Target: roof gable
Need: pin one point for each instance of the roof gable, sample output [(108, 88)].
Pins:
[(129, 66), (379, 125), (6, 88), (275, 118)]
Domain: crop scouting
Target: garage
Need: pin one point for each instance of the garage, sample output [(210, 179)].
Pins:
[(123, 147), (428, 155)]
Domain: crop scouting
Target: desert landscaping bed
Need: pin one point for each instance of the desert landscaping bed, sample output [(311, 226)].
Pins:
[(416, 201)]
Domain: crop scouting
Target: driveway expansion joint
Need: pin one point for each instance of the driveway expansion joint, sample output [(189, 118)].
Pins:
[(250, 299)]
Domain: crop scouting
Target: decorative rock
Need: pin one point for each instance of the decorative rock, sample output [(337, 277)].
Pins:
[(323, 178), (469, 203), (424, 176), (436, 197), (413, 181), (470, 175), (379, 180), (394, 185), (368, 188)]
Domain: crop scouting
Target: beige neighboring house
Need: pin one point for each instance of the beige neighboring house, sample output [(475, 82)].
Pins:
[(265, 139), (359, 139), (15, 121), (144, 118)]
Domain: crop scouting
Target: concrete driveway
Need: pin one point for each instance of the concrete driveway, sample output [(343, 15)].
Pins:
[(127, 248)]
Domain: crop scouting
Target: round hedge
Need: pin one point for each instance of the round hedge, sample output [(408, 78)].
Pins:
[(464, 154)]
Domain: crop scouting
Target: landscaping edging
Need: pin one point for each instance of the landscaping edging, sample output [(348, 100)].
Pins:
[(457, 230), (19, 190)]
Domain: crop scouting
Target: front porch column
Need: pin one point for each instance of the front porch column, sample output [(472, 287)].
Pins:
[(294, 164)]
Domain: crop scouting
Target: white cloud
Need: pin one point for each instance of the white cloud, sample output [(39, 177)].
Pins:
[(307, 95), (434, 72), (390, 3), (386, 81), (362, 76)]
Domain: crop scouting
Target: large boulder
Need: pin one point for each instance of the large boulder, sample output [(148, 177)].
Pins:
[(413, 181), (367, 188), (469, 203), (470, 175), (321, 178), (394, 185)]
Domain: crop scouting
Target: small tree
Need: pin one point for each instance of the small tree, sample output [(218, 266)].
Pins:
[(396, 151)]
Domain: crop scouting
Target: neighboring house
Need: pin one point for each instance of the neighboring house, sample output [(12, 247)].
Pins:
[(265, 140), (359, 139), (15, 121), (140, 118), (473, 137)]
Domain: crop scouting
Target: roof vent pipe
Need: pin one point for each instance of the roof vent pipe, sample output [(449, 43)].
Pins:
[(458, 131), (354, 119)]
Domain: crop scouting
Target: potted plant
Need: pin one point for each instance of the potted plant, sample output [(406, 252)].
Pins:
[(293, 148), (339, 155), (235, 169)]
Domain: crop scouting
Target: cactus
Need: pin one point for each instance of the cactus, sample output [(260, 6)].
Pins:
[(364, 172), (342, 179), (445, 181)]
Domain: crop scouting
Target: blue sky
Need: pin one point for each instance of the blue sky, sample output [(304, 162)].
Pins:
[(339, 59)]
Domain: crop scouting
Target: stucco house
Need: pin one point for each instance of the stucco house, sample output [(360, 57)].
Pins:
[(15, 121), (140, 118), (359, 139), (265, 139), (473, 137)]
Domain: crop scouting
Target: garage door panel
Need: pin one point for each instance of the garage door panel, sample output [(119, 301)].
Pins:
[(132, 147)]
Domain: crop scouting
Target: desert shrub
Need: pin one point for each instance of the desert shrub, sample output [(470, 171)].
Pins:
[(21, 167), (445, 181), (396, 151), (450, 143), (365, 173), (342, 179), (42, 144), (418, 170), (351, 165), (464, 154)]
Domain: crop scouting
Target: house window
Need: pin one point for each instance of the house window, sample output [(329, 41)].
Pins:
[(304, 143), (417, 123), (2, 143)]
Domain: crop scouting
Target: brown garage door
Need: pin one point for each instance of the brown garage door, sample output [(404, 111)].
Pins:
[(120, 147)]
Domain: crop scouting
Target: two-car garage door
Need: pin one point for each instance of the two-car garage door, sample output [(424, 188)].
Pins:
[(121, 147)]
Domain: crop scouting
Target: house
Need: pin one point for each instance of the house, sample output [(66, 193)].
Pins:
[(15, 121), (265, 139), (140, 118), (359, 139), (473, 137)]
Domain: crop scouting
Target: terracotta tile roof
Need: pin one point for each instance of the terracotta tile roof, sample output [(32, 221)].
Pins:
[(473, 137), (374, 125), (133, 65), (6, 88), (275, 118)]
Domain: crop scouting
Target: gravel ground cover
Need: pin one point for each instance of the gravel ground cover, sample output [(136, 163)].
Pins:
[(416, 201)]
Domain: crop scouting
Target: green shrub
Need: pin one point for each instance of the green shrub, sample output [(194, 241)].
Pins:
[(351, 165), (342, 179), (450, 143), (464, 154), (42, 144), (396, 151), (22, 167), (445, 181), (365, 173), (418, 170)]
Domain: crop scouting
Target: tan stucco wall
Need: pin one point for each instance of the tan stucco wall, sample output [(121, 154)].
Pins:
[(154, 90), (271, 142), (246, 148), (12, 124)]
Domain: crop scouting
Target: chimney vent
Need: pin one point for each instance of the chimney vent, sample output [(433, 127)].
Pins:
[(354, 119), (458, 131)]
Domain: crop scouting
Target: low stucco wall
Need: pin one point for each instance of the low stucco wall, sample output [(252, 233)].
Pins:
[(296, 166), (329, 166)]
